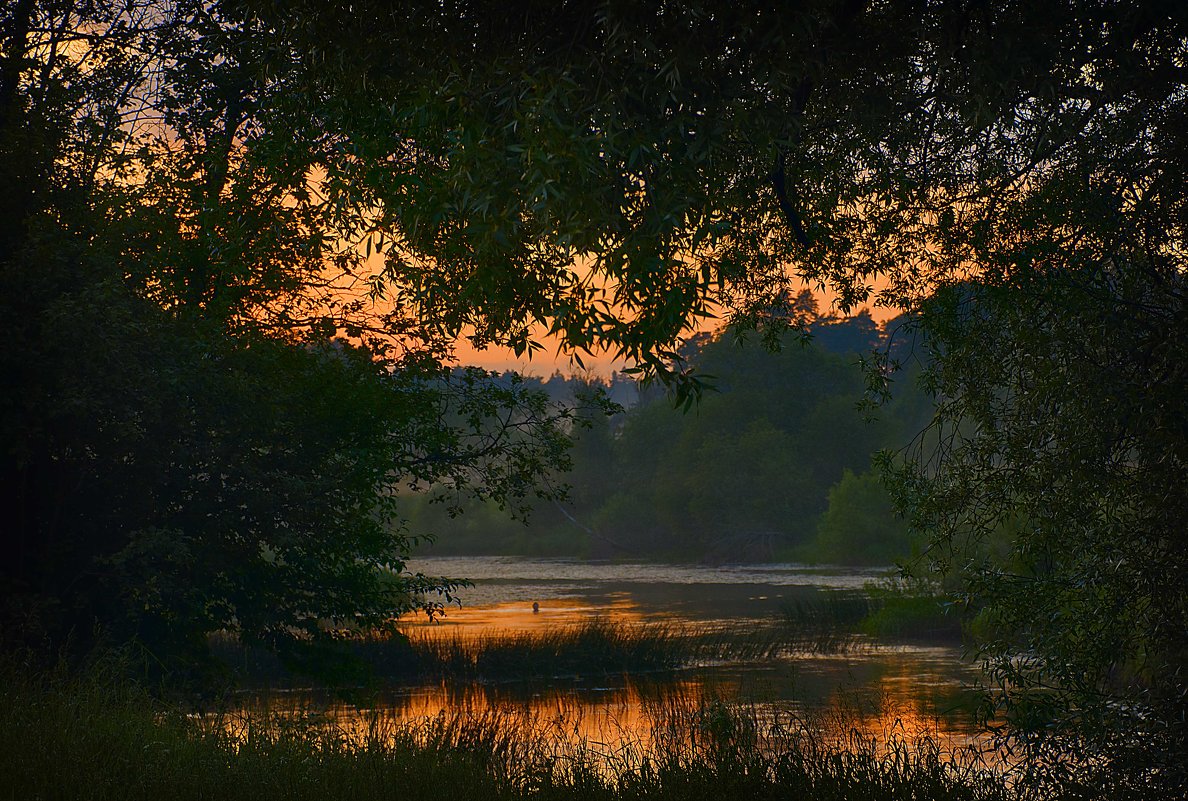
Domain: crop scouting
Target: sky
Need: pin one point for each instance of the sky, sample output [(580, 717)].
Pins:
[(601, 364), (548, 361)]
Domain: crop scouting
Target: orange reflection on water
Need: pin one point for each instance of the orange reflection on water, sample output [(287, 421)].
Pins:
[(605, 719), (620, 721), (879, 697), (610, 723), (910, 704), (518, 617), (615, 727)]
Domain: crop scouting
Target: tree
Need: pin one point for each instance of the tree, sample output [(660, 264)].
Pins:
[(205, 429), (1011, 173), (1062, 432), (859, 526)]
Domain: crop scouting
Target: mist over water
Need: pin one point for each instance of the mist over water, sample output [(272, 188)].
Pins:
[(571, 591)]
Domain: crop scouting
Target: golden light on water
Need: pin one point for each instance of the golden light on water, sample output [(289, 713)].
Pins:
[(574, 677), (618, 726), (620, 719), (518, 617)]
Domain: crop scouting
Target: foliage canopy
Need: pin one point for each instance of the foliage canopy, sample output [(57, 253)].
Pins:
[(206, 426), (1010, 173)]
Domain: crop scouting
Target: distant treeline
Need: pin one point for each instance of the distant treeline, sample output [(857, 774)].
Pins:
[(774, 464)]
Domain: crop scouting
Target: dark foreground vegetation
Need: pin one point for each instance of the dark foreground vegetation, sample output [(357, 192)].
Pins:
[(95, 735)]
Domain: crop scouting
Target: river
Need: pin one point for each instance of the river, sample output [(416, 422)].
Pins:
[(883, 691)]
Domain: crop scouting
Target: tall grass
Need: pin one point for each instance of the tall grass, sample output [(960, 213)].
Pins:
[(598, 647), (96, 736), (826, 622)]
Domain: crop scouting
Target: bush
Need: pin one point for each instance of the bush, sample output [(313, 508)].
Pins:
[(859, 527)]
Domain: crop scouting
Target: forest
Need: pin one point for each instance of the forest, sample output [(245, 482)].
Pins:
[(241, 242), (793, 426)]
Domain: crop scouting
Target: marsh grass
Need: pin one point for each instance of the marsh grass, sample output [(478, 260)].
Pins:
[(824, 623), (828, 621), (595, 648), (97, 736), (602, 647)]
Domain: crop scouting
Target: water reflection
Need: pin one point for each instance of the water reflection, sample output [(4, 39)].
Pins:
[(614, 718), (518, 617), (878, 692), (684, 592)]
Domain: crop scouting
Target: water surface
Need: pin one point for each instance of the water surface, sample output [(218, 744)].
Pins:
[(878, 689)]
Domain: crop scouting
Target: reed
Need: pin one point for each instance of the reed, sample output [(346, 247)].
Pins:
[(601, 647), (595, 648), (96, 736)]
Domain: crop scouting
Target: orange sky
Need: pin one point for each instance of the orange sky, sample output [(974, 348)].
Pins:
[(546, 362)]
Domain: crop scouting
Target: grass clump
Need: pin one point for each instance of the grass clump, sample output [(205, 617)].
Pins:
[(97, 736), (912, 617), (911, 610), (595, 648), (827, 621)]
